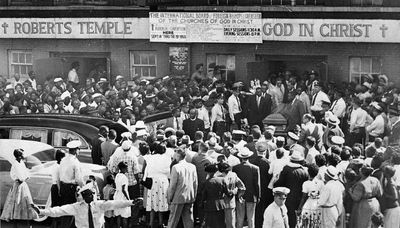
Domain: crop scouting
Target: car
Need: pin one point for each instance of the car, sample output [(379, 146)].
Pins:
[(40, 160), (57, 130)]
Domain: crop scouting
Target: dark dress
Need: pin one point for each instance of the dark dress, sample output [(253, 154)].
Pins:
[(214, 204), (292, 176)]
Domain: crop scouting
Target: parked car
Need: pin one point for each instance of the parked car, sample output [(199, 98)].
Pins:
[(57, 130), (40, 160)]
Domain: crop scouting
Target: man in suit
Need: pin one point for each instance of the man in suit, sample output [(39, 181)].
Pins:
[(182, 191), (96, 145), (293, 112), (250, 175), (258, 107), (262, 163), (193, 124)]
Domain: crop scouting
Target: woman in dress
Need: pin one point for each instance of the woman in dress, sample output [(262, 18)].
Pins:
[(158, 167), (390, 198), (19, 200), (310, 214), (364, 194), (121, 193)]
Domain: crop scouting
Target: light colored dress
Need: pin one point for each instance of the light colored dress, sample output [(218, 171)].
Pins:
[(311, 213), (121, 180), (158, 168), (18, 201)]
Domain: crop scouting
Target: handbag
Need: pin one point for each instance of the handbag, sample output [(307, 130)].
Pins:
[(147, 183)]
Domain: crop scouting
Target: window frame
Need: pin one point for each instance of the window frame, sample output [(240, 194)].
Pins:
[(361, 72), (219, 64), (141, 65), (11, 63)]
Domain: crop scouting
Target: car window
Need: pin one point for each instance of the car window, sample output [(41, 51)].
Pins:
[(62, 137), (39, 135)]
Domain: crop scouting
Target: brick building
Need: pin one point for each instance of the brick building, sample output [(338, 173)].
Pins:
[(347, 39)]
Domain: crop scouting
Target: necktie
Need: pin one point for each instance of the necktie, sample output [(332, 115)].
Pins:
[(90, 217), (283, 217), (222, 111), (238, 101), (314, 98), (334, 103), (258, 101), (177, 123)]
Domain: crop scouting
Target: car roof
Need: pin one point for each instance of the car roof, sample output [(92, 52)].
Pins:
[(157, 116)]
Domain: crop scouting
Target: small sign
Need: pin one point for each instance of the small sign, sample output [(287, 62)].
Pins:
[(179, 61)]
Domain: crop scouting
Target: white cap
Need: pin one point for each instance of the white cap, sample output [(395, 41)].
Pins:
[(58, 80), (96, 95), (238, 132), (141, 132), (119, 77), (244, 152), (126, 135), (74, 144), (367, 84), (281, 190), (297, 154), (332, 172), (126, 145), (64, 95), (170, 129), (293, 136), (337, 140), (271, 128), (140, 125), (9, 86), (86, 187)]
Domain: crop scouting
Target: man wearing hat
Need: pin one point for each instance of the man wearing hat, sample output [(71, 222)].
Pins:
[(316, 102), (250, 175), (293, 175), (331, 198), (70, 176), (292, 139), (377, 128), (88, 213), (332, 129), (237, 138), (262, 163), (275, 216)]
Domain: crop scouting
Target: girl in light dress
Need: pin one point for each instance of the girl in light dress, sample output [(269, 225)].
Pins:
[(19, 200), (121, 193), (310, 215)]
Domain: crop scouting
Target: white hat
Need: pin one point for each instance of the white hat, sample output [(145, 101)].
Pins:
[(126, 145), (165, 77), (9, 86), (64, 95), (383, 78), (212, 141), (170, 129), (297, 155), (84, 94), (145, 81), (119, 77), (140, 125), (238, 132), (126, 135), (367, 84), (332, 119), (271, 128), (58, 80), (96, 95), (86, 187), (102, 80), (74, 144), (293, 136), (337, 140), (376, 105), (244, 152), (280, 139), (135, 94), (281, 190), (205, 98), (141, 132), (332, 172)]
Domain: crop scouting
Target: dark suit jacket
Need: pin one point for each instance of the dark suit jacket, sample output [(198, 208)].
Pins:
[(263, 164), (250, 175), (191, 126), (294, 114), (213, 194), (96, 150), (256, 114)]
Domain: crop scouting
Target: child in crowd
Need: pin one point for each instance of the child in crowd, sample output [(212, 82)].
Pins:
[(108, 194), (121, 193)]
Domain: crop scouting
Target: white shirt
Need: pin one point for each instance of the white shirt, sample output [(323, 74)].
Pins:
[(275, 169), (312, 152), (70, 170), (158, 165), (33, 83), (202, 113), (73, 76), (55, 175), (275, 216), (80, 211), (341, 167), (396, 177), (318, 98), (217, 113), (338, 108), (332, 195), (377, 127), (358, 118), (233, 106), (19, 171)]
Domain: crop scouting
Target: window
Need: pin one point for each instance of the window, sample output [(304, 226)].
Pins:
[(225, 63), (38, 135), (143, 64), (20, 62), (62, 137), (363, 66)]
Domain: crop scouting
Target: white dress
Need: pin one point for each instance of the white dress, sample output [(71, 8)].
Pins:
[(121, 180), (311, 214)]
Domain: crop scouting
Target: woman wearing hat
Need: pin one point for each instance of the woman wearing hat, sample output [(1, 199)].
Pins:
[(19, 200), (364, 193), (377, 128)]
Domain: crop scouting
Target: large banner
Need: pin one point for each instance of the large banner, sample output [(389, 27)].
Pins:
[(75, 28), (331, 30), (186, 27)]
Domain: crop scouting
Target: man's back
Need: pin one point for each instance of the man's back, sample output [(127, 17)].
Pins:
[(250, 175), (107, 149), (200, 161), (183, 184)]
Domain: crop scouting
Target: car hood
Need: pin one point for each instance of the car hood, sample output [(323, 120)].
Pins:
[(30, 147)]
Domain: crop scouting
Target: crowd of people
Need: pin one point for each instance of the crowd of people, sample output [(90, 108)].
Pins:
[(215, 163)]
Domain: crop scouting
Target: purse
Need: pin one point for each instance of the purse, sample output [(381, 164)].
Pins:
[(147, 183)]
